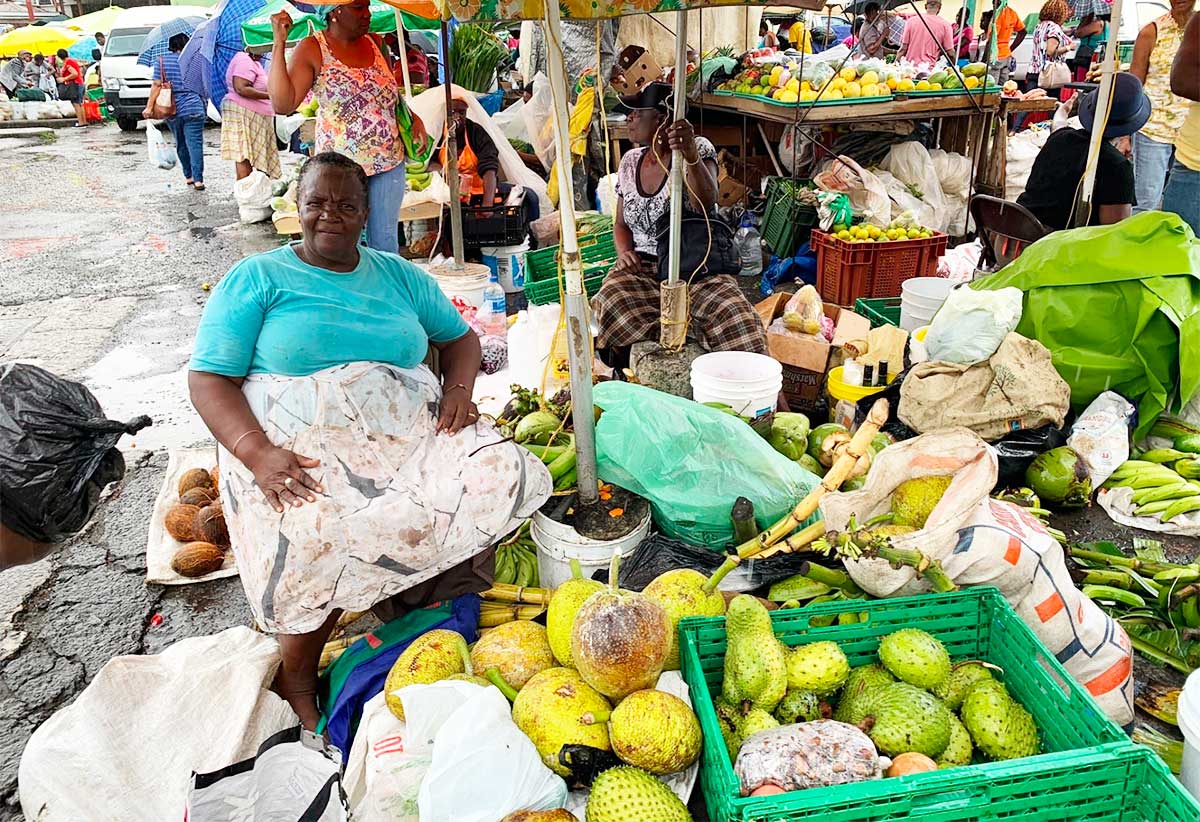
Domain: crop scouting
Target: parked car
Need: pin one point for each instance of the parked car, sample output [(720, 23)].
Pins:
[(127, 84), (1132, 21)]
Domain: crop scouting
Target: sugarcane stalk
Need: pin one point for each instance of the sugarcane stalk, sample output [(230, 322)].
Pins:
[(1159, 655), (838, 473), (348, 617), (335, 647), (503, 592)]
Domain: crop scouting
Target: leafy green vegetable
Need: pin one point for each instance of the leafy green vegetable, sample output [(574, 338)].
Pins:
[(475, 54)]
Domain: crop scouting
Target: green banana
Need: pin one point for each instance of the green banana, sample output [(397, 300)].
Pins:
[(1107, 593), (1155, 507), (546, 453), (1191, 611), (1189, 468), (567, 480), (1181, 506), (1188, 442), (1184, 574), (524, 572), (505, 571), (562, 464), (1164, 492), (1161, 455), (1151, 480)]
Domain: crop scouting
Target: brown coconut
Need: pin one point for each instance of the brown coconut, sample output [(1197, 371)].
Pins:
[(199, 497), (215, 474), (197, 559), (210, 525), (194, 478), (557, 815), (180, 522), (620, 640)]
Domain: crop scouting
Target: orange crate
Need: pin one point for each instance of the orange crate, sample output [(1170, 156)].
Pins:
[(850, 271)]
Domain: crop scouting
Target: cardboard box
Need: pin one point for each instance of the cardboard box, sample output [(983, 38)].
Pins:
[(638, 68), (805, 360)]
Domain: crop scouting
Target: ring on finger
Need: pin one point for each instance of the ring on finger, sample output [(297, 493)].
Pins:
[(289, 482)]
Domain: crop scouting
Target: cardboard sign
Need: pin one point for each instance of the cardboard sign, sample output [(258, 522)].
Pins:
[(638, 69)]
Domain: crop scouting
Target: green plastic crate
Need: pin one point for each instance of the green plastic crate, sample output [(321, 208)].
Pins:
[(597, 252), (973, 624), (787, 223), (884, 311)]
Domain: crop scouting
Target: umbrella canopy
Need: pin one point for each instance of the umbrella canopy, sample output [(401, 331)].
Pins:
[(43, 39), (81, 49), (503, 10), (98, 21), (256, 30), (155, 44)]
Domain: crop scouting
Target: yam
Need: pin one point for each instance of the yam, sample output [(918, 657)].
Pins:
[(197, 559), (180, 522), (210, 525), (194, 478), (199, 497)]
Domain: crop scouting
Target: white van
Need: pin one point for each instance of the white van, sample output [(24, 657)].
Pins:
[(126, 84)]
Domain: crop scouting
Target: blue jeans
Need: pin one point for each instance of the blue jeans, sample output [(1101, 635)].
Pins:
[(1151, 160), (189, 145), (1182, 195), (385, 193)]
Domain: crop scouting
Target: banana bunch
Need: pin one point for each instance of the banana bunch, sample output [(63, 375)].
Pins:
[(516, 563), (1159, 490), (418, 175), (560, 459)]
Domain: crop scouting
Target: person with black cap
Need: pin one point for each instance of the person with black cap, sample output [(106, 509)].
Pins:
[(1056, 178), (628, 304)]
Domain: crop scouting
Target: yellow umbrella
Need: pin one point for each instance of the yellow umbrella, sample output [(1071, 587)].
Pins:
[(98, 21), (43, 39)]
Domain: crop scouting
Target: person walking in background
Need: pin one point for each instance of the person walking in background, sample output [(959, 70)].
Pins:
[(187, 123), (1050, 43), (927, 35), (98, 54), (70, 85), (1153, 147), (872, 38), (12, 75), (963, 35), (345, 70), (766, 37), (799, 36), (42, 75), (1089, 34), (247, 119), (1182, 193)]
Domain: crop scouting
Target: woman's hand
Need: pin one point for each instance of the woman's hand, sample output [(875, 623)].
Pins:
[(457, 411), (281, 476), (628, 262), (419, 134), (681, 137), (281, 24)]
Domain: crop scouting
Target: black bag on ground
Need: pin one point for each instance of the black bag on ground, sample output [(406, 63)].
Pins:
[(56, 453), (1018, 450), (706, 247)]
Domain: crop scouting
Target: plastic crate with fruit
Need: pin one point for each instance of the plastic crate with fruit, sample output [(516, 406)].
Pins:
[(790, 216), (850, 269)]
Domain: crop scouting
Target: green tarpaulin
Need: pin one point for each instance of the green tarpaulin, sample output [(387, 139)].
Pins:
[(1119, 308), (257, 30)]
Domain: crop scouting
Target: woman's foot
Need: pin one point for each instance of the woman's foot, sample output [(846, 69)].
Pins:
[(189, 183), (198, 186)]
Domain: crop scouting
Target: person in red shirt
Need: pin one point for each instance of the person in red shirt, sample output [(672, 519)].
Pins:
[(70, 85)]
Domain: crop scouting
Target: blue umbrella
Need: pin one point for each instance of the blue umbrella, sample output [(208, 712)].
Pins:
[(195, 61), (82, 49), (155, 44), (207, 55)]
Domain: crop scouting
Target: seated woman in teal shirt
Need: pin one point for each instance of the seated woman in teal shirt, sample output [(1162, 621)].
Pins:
[(349, 475)]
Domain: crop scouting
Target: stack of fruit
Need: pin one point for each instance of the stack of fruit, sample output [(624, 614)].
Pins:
[(516, 560), (786, 85), (974, 75), (198, 521), (917, 707), (417, 174), (871, 233)]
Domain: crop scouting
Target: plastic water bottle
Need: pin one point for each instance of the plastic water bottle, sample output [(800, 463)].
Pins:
[(749, 246), (493, 314)]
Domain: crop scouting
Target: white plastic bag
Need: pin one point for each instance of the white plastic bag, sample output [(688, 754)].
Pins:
[(953, 171), (538, 114), (159, 153), (796, 148), (911, 164), (483, 766), (383, 775), (1100, 436), (867, 194), (1020, 152), (907, 208), (970, 325), (253, 194), (512, 122), (959, 263)]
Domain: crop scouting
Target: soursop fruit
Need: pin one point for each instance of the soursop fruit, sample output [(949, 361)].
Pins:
[(914, 500), (628, 794), (755, 661), (862, 682), (916, 657), (820, 667), (798, 705), (958, 751), (907, 718), (753, 721), (998, 725), (961, 678)]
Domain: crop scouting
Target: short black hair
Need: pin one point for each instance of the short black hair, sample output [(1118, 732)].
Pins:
[(331, 159), (62, 53), (178, 41), (870, 7)]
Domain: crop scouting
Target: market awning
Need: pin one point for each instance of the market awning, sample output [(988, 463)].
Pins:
[(498, 10), (97, 21), (257, 30), (37, 39)]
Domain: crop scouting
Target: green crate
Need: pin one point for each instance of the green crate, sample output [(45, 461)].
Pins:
[(787, 223), (973, 624), (597, 252), (884, 311)]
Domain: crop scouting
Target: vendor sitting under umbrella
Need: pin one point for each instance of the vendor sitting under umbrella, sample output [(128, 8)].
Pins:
[(1056, 178), (628, 304)]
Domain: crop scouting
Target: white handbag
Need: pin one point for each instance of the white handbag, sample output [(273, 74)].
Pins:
[(1054, 74)]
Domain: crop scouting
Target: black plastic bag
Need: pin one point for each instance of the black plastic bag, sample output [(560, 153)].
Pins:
[(56, 453), (658, 554), (1018, 450)]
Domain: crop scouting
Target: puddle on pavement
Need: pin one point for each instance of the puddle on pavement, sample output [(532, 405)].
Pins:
[(202, 232)]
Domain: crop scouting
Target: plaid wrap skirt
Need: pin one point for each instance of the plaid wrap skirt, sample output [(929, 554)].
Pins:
[(248, 135)]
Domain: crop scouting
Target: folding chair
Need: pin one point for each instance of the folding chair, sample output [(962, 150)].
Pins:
[(1005, 228)]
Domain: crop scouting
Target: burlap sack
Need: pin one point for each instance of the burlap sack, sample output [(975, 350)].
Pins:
[(1016, 388), (982, 541)]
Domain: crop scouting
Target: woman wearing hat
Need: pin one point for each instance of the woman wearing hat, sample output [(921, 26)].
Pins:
[(356, 93), (628, 304), (1056, 179)]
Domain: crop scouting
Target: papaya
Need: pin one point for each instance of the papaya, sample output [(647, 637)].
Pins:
[(952, 82), (974, 69), (939, 77)]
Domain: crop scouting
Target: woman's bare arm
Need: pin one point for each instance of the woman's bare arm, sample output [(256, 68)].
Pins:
[(288, 85), (1185, 72), (246, 89), (460, 364), (1139, 63)]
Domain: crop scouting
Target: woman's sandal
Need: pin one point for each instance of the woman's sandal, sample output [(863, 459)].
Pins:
[(198, 186)]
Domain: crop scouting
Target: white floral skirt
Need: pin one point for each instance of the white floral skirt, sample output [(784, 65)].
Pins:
[(400, 505)]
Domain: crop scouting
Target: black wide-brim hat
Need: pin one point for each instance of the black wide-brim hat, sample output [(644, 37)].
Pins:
[(1129, 111)]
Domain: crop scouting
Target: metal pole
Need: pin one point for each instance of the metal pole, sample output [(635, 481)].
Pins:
[(403, 54), (677, 161), (451, 170), (1108, 72), (579, 332)]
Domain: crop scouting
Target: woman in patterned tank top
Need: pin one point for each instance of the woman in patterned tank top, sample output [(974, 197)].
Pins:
[(345, 70)]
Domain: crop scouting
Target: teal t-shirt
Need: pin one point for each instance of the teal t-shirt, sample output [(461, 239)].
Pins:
[(273, 313)]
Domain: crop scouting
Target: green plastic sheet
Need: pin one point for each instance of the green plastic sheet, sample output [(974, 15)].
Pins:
[(691, 462), (1119, 308)]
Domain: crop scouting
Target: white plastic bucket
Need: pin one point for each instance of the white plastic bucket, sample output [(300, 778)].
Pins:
[(558, 544), (467, 284), (747, 383), (1189, 723), (920, 298), (508, 261)]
